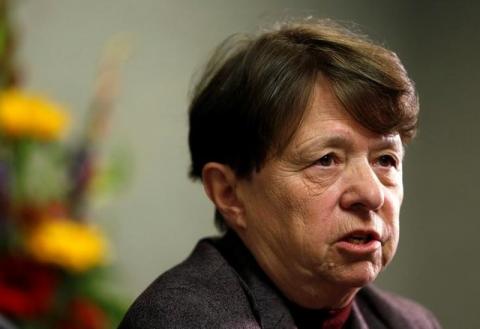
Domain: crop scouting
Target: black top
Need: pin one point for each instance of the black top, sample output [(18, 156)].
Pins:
[(220, 285)]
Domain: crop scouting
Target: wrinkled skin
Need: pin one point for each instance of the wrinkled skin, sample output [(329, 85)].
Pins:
[(334, 178)]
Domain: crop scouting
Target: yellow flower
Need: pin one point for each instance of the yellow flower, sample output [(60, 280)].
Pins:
[(24, 115), (71, 245), (14, 114)]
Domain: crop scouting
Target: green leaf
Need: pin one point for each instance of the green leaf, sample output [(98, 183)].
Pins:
[(45, 174)]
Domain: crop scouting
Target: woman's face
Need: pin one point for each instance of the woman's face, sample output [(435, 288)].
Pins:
[(326, 211)]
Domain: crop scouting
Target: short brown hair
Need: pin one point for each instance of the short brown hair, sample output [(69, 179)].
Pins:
[(254, 92)]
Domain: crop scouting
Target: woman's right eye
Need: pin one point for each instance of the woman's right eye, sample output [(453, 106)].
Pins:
[(326, 161)]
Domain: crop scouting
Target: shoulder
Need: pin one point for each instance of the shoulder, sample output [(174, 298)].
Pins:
[(198, 293), (392, 309)]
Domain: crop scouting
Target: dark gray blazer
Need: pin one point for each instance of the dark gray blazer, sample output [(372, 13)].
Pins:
[(220, 286)]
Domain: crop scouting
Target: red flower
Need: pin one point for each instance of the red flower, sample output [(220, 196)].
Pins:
[(83, 314), (26, 288)]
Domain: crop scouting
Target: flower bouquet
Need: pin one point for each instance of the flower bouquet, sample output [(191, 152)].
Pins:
[(54, 262)]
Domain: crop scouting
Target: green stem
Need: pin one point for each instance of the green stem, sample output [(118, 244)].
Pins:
[(21, 156)]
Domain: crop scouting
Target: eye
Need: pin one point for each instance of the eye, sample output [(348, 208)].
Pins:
[(327, 160), (387, 161)]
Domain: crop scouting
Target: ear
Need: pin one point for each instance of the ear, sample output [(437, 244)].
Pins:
[(219, 182)]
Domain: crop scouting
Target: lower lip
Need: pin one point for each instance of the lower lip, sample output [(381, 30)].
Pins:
[(359, 249)]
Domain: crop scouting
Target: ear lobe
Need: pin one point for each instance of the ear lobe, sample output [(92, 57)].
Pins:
[(219, 182)]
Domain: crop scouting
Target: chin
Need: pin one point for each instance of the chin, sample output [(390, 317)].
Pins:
[(358, 276)]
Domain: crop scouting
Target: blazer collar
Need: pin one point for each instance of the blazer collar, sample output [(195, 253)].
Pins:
[(268, 304), (356, 320)]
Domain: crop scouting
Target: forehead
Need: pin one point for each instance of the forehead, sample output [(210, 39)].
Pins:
[(326, 119)]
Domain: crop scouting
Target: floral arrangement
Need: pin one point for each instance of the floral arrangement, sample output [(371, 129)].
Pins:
[(54, 263)]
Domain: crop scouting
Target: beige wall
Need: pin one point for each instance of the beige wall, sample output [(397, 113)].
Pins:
[(157, 221)]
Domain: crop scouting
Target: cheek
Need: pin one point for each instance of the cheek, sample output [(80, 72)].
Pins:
[(272, 210), (392, 223), (319, 225), (321, 212), (296, 220), (390, 248), (318, 181)]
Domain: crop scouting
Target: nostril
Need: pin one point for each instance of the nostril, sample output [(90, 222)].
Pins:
[(361, 211)]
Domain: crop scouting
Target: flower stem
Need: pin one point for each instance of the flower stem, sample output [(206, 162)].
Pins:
[(21, 156)]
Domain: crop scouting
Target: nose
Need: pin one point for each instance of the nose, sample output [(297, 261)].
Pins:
[(363, 189)]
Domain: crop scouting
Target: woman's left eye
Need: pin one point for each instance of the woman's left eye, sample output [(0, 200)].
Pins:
[(327, 160), (387, 161)]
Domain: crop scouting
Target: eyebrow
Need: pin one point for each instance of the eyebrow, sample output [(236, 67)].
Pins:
[(340, 141), (389, 142), (333, 141)]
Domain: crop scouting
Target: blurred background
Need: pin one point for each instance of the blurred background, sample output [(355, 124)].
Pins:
[(158, 218)]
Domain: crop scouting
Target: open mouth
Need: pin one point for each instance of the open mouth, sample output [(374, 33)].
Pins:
[(359, 239), (360, 243)]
